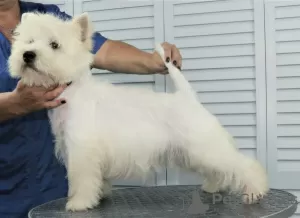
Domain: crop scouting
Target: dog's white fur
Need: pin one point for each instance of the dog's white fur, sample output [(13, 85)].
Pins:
[(106, 131)]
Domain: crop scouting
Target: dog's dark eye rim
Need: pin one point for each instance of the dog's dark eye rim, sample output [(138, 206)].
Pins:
[(54, 45)]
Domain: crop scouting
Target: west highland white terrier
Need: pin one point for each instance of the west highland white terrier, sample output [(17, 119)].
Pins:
[(106, 132)]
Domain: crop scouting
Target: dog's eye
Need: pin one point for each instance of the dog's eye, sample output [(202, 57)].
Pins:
[(30, 41), (54, 45)]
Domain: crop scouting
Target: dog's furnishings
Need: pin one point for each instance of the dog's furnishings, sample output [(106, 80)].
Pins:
[(175, 202)]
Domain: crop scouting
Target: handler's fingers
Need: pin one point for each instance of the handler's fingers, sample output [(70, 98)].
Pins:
[(168, 51), (54, 93), (54, 104), (20, 85), (176, 57)]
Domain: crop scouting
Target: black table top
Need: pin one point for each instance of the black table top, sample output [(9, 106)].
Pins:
[(175, 202)]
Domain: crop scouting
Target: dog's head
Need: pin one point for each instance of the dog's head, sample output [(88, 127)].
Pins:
[(47, 50)]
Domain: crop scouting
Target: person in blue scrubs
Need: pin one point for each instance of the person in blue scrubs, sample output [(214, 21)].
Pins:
[(30, 174)]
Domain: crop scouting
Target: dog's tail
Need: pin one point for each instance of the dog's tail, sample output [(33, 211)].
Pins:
[(180, 82)]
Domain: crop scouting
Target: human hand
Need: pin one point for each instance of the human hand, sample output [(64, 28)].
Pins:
[(172, 54), (28, 99)]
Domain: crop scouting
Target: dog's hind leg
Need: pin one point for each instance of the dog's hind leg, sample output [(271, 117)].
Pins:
[(213, 182), (239, 173), (85, 177)]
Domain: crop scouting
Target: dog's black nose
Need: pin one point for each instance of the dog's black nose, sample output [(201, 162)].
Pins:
[(29, 57)]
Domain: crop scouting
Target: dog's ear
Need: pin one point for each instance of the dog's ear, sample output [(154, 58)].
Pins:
[(85, 26)]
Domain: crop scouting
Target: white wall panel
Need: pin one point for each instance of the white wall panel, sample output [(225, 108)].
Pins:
[(283, 94)]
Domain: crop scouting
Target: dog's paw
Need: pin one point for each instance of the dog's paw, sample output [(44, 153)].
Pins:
[(106, 189), (252, 198), (79, 204)]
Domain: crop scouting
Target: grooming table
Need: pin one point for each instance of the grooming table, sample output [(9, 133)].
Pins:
[(175, 202)]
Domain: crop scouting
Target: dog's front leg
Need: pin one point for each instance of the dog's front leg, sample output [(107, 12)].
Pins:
[(85, 178)]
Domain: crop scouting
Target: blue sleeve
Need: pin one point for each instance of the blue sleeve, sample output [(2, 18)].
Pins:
[(98, 39)]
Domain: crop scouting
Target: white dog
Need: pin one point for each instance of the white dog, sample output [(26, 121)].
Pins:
[(106, 131)]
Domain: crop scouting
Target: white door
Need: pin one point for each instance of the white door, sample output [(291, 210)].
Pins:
[(283, 93), (222, 44), (139, 23)]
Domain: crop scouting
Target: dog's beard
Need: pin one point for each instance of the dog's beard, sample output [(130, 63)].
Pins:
[(34, 70)]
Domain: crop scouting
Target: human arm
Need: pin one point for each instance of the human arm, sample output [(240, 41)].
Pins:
[(7, 106), (24, 100), (121, 57)]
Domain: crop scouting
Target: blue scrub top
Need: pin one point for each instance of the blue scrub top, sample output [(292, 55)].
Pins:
[(30, 174)]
